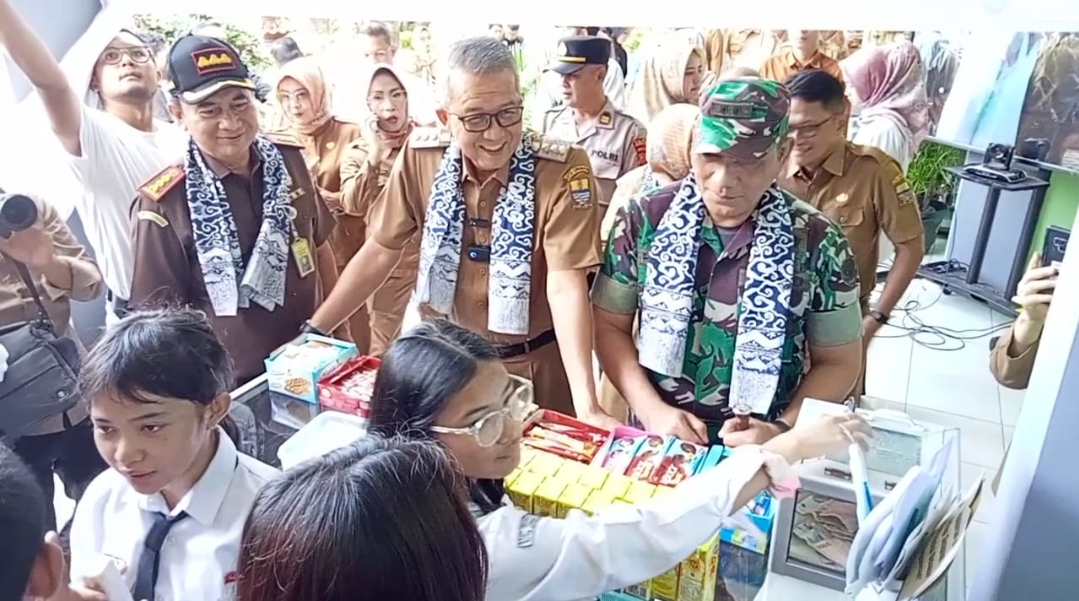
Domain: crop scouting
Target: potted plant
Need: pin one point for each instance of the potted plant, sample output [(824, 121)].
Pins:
[(933, 185)]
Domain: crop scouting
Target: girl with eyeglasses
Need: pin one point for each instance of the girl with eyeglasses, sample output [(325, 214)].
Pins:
[(444, 383)]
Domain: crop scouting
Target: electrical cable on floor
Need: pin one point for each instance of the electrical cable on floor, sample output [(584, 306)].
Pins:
[(910, 325)]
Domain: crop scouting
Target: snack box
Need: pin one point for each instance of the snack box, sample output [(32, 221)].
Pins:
[(574, 497), (545, 499), (665, 586), (617, 485), (570, 471), (698, 572), (648, 458), (750, 527), (597, 500), (619, 450), (562, 435), (545, 464), (349, 386), (639, 591), (716, 453), (523, 489), (295, 369), (594, 477), (680, 461), (639, 493)]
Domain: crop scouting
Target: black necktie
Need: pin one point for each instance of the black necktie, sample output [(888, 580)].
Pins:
[(150, 562)]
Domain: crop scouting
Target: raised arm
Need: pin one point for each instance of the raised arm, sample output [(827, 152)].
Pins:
[(35, 60)]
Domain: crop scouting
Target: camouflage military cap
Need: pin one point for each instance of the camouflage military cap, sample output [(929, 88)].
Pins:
[(744, 117)]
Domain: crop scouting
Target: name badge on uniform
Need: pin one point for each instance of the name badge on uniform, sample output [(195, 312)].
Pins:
[(526, 532), (305, 261)]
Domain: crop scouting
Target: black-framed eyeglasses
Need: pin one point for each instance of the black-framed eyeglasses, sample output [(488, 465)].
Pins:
[(112, 55), (481, 122), (810, 130)]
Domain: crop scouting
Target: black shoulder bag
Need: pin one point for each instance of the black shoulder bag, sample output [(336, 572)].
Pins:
[(42, 375)]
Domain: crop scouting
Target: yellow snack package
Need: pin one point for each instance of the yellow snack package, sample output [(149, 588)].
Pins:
[(665, 586), (545, 464), (523, 489), (593, 477), (510, 479), (570, 471), (639, 493), (527, 454), (574, 497), (617, 485), (545, 501), (697, 574), (598, 500)]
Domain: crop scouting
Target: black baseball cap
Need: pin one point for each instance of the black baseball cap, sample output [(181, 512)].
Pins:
[(575, 52), (201, 66)]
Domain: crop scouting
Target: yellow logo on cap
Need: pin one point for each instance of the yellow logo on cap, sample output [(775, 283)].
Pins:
[(214, 60), (563, 50)]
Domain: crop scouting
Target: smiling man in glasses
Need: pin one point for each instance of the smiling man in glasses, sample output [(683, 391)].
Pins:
[(110, 151), (507, 220), (861, 188)]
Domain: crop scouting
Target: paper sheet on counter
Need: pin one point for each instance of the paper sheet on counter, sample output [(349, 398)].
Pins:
[(942, 545)]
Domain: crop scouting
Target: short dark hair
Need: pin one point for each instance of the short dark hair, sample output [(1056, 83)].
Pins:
[(171, 353), (379, 29), (814, 85), (22, 520), (383, 518), (154, 40), (285, 50)]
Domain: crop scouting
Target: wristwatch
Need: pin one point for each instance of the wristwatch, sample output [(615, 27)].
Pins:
[(877, 315), (783, 426), (307, 328)]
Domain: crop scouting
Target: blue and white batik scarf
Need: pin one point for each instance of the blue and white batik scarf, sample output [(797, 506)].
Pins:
[(667, 296), (230, 284), (510, 276)]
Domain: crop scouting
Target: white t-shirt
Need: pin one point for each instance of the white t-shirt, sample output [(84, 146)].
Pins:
[(117, 159), (198, 558)]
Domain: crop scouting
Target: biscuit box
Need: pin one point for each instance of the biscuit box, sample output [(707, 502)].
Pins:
[(564, 436), (680, 461), (648, 458), (545, 500), (349, 386), (665, 586), (716, 453), (523, 489), (295, 369), (574, 497), (619, 450), (698, 573)]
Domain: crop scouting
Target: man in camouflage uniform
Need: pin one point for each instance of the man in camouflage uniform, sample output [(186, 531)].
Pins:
[(738, 286)]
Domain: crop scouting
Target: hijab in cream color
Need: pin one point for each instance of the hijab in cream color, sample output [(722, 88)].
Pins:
[(662, 79), (308, 74)]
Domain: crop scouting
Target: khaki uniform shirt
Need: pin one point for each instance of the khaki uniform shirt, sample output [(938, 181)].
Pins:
[(564, 239), (779, 67), (361, 184), (167, 268), (864, 191), (749, 47), (616, 143), (17, 305), (1012, 372)]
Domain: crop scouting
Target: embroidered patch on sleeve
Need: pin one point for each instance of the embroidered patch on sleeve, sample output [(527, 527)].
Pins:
[(579, 180), (640, 146)]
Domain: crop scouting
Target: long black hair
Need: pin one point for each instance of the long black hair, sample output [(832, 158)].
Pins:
[(169, 353), (421, 371), (378, 519)]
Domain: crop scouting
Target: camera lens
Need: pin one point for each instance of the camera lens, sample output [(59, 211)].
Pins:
[(17, 212)]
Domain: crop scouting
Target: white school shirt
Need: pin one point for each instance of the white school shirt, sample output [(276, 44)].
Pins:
[(580, 557), (198, 558), (117, 159)]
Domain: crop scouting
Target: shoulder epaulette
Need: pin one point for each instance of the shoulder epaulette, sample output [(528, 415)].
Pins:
[(157, 186), (284, 138), (430, 137), (885, 159), (551, 149)]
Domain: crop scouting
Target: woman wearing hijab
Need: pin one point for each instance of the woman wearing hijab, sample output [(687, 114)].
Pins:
[(364, 168), (887, 91), (671, 75), (670, 138), (304, 96)]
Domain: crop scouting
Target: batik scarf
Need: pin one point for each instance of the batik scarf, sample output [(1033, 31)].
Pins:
[(510, 276), (217, 242), (670, 283)]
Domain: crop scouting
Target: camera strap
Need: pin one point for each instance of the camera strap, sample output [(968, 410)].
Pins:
[(28, 281)]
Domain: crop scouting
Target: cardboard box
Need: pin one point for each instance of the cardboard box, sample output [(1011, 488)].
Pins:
[(619, 450), (545, 464), (597, 501), (617, 486), (648, 458), (639, 493), (570, 471), (524, 489), (565, 436), (295, 369), (665, 586), (594, 477), (680, 461), (348, 387), (545, 500), (697, 574)]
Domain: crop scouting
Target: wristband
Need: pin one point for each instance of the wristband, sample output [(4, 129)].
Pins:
[(783, 426), (880, 317), (307, 328)]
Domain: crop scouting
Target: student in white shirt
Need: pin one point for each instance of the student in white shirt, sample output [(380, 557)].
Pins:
[(158, 387), (442, 382), (112, 151), (344, 527)]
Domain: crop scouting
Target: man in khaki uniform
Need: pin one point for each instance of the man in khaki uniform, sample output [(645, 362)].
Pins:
[(859, 187), (465, 189), (615, 141), (803, 53)]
